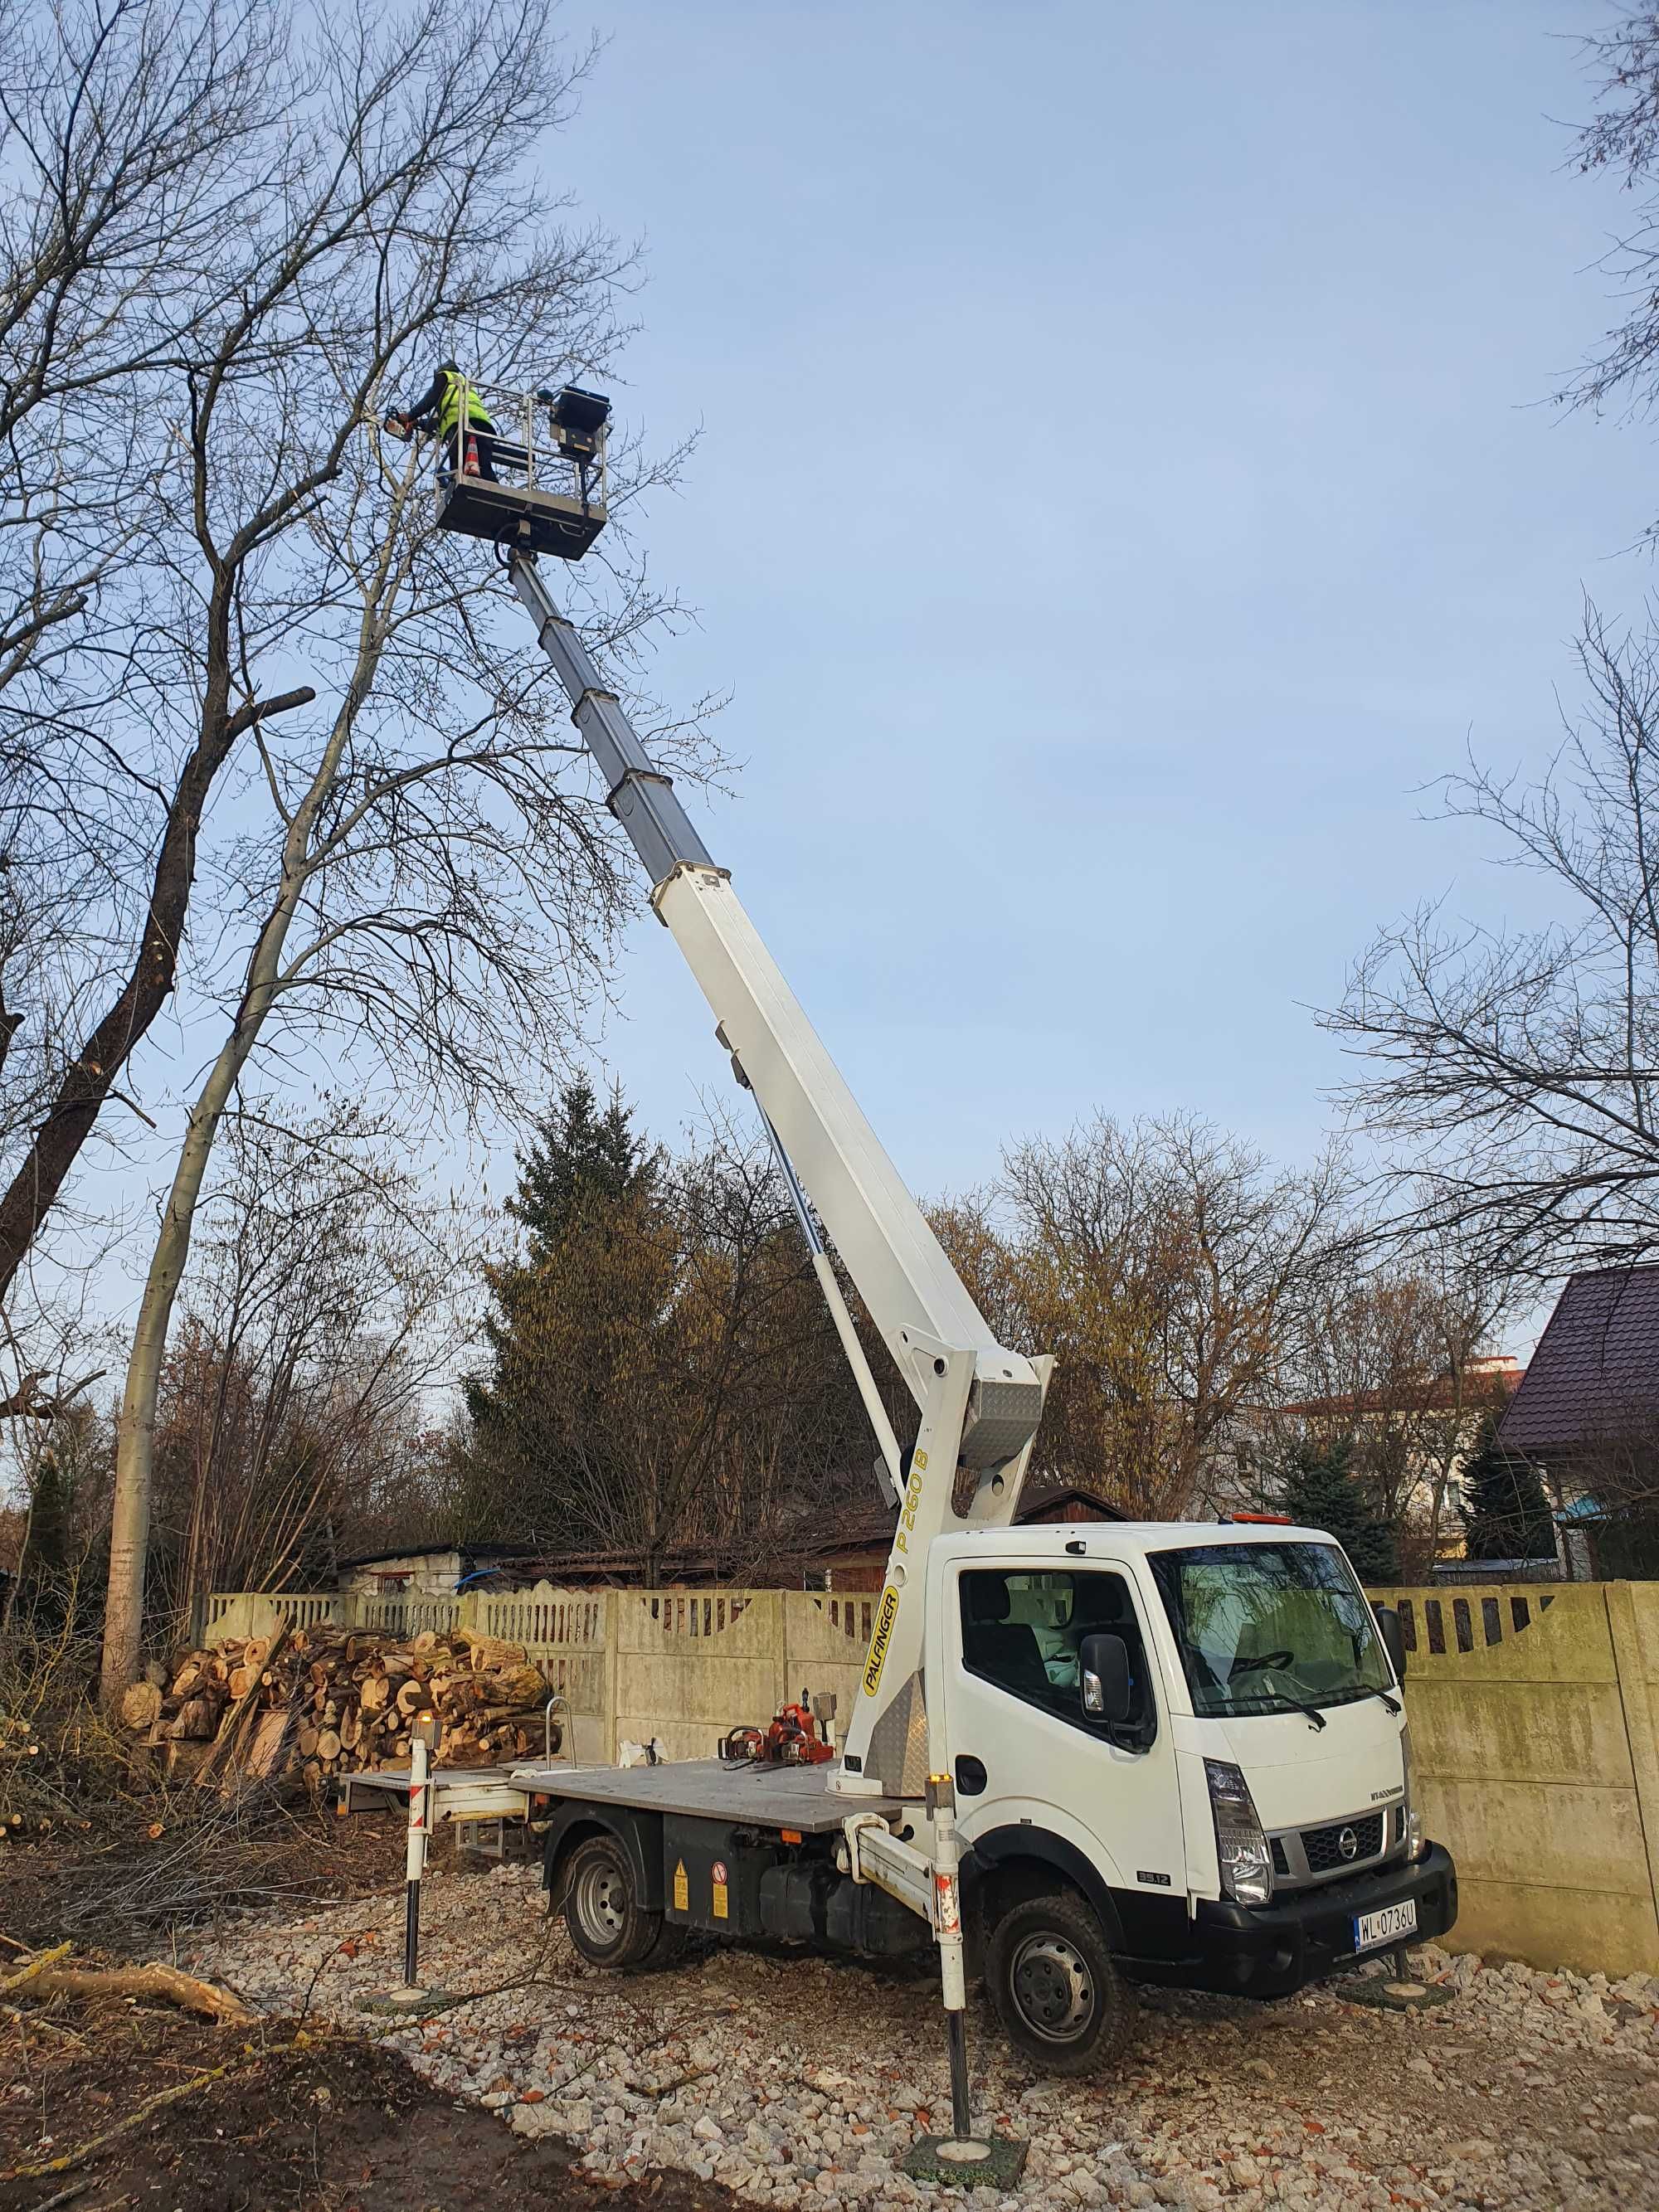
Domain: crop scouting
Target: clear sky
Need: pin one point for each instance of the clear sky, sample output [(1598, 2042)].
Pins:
[(1126, 479), (1124, 483)]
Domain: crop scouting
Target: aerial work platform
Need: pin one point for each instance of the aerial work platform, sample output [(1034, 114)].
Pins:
[(550, 491)]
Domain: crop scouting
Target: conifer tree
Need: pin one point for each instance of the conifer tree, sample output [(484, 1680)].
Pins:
[(585, 1180), (1506, 1513), (1317, 1489)]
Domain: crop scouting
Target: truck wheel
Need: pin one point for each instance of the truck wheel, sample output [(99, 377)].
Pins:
[(606, 1921), (1061, 2002)]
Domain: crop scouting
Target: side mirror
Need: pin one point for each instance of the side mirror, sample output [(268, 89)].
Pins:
[(1393, 1637), (1103, 1679)]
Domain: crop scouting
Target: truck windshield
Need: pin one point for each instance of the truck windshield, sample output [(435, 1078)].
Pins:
[(1259, 1624)]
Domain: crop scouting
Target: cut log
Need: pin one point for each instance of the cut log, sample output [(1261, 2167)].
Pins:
[(240, 1681), (265, 1756), (189, 1679), (514, 1685), (195, 1720), (306, 1740), (140, 1705), (488, 1651), (351, 1728), (375, 1692), (328, 1745), (410, 1698), (238, 1720)]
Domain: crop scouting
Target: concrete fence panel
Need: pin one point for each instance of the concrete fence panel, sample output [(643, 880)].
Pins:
[(824, 1641), (569, 1636), (690, 1664), (1533, 1765)]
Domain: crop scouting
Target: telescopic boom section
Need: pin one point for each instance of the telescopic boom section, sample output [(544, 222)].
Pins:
[(980, 1402)]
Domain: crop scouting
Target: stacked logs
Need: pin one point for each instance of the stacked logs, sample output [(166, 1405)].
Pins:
[(321, 1701)]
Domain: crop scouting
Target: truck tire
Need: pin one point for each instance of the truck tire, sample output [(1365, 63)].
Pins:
[(603, 1914), (1061, 2002)]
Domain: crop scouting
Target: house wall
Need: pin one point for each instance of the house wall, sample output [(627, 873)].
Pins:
[(1534, 1719), (433, 1574)]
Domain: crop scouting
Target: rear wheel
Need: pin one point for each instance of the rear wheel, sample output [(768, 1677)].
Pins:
[(1062, 2001), (608, 1924)]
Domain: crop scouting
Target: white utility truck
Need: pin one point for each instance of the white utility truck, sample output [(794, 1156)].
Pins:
[(1083, 1756)]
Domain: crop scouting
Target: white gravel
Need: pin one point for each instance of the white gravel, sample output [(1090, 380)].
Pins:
[(797, 2081)]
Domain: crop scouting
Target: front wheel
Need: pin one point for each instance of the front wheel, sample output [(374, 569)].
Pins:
[(607, 1923), (1061, 2002)]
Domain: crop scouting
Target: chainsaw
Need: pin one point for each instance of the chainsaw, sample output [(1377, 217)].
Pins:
[(790, 1739)]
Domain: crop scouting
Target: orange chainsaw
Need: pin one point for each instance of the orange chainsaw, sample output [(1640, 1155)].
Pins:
[(792, 1739)]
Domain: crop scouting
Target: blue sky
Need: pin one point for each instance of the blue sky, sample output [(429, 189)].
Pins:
[(1126, 479), (1124, 483)]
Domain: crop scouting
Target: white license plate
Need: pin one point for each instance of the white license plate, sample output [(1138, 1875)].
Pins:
[(1392, 1924)]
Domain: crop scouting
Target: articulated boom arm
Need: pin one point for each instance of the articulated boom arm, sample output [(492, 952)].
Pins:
[(980, 1402)]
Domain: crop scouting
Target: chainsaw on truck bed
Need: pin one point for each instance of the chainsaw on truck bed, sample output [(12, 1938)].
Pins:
[(796, 1735)]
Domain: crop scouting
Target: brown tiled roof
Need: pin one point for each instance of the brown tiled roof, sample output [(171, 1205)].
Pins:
[(1596, 1362), (873, 1525)]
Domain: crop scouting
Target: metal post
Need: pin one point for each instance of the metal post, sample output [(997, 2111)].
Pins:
[(415, 1860), (963, 2149)]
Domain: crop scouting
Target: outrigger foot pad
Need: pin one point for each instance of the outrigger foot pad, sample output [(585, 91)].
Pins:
[(985, 2162)]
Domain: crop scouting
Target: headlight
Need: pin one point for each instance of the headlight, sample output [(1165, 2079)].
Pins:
[(1246, 1866), (1411, 1820)]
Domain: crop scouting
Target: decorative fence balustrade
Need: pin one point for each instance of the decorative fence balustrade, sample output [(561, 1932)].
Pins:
[(1535, 1716), (677, 1667)]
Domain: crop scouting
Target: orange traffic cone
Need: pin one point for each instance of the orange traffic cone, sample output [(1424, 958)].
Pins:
[(470, 464)]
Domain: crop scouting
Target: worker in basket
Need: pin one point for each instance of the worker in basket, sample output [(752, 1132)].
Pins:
[(468, 448)]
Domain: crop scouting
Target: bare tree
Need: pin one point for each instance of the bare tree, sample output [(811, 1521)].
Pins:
[(1388, 1356), (1162, 1261), (1622, 139), (383, 206), (1516, 1074), (335, 1300), (437, 883)]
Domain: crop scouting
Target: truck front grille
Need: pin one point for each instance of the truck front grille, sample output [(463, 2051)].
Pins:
[(1323, 1847)]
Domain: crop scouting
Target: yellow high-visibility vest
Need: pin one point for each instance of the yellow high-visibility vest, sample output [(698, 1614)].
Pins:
[(449, 409)]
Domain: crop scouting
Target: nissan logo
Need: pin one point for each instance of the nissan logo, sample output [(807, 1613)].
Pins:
[(1348, 1843)]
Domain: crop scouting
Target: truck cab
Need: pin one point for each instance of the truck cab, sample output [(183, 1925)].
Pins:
[(1194, 1732)]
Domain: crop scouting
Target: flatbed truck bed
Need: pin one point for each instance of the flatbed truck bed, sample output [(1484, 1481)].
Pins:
[(797, 1797)]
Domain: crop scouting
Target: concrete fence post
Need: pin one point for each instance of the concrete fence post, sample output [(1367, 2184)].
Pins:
[(612, 1601), (1633, 1622)]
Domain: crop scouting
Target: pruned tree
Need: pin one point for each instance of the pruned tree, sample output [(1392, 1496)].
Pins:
[(1513, 1074), (432, 882), (373, 205)]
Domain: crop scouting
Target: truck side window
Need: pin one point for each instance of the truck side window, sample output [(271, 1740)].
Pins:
[(1023, 1632)]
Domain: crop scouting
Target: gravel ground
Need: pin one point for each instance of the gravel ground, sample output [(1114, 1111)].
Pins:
[(797, 2081)]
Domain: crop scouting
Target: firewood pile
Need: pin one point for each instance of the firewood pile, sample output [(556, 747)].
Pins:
[(316, 1702)]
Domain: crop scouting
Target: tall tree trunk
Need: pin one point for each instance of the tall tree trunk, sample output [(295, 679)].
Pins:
[(135, 1439)]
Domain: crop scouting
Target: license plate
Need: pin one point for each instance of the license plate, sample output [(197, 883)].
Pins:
[(1391, 1924)]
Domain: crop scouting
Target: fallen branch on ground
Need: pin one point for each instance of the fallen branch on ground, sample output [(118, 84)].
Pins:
[(47, 1978)]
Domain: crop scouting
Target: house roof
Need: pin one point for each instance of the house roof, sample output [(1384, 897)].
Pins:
[(872, 1526), (1597, 1360), (438, 1551), (1482, 1384)]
